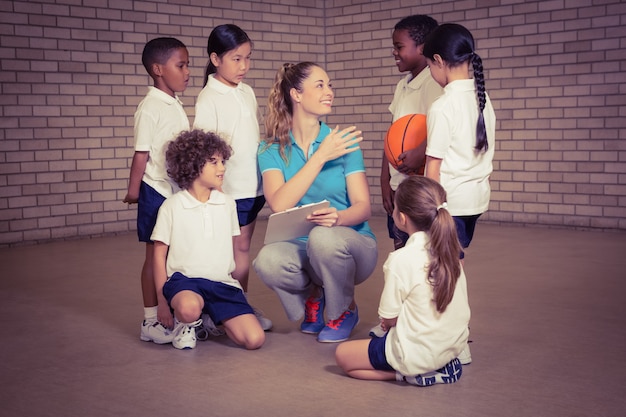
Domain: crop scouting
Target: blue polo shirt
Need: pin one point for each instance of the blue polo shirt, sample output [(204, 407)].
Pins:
[(330, 184)]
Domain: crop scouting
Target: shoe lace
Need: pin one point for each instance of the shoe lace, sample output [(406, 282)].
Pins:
[(312, 310), (334, 324), (207, 328)]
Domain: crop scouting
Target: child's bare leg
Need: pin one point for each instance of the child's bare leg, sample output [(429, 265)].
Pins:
[(245, 331), (187, 306), (353, 358), (148, 289), (241, 247)]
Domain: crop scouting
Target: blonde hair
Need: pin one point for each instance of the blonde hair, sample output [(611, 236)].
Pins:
[(280, 107), (422, 200)]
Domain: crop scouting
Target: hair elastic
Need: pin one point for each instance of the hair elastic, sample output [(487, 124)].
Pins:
[(443, 205)]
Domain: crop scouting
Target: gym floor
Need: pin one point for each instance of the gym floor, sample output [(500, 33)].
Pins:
[(548, 333)]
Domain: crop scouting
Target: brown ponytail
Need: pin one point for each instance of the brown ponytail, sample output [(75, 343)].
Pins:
[(422, 200), (279, 104)]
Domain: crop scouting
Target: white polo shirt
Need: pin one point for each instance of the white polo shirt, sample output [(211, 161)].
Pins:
[(412, 96), (231, 112), (199, 236), (451, 125), (158, 120), (423, 339)]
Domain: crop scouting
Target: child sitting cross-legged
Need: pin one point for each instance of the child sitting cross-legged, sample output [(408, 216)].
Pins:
[(193, 254), (423, 307)]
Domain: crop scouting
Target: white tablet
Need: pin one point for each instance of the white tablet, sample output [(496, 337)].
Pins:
[(292, 223)]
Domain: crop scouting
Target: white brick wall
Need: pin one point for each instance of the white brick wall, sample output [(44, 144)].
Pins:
[(71, 78)]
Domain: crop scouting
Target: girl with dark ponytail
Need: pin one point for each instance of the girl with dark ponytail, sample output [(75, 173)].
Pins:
[(228, 106), (424, 306), (461, 127)]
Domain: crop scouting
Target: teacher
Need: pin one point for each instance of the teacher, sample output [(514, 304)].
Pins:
[(303, 161)]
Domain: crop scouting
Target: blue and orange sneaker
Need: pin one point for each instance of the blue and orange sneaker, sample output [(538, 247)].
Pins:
[(313, 321), (339, 330), (450, 373)]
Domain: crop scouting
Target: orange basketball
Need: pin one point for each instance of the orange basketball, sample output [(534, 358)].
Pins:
[(408, 132)]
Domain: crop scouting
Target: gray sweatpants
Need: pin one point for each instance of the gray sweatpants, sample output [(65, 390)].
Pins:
[(335, 258)]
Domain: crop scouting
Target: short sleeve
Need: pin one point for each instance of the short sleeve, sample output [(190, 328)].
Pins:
[(439, 132)]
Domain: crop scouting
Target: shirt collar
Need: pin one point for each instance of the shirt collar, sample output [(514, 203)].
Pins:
[(163, 96), (460, 85), (417, 82), (220, 87), (190, 201)]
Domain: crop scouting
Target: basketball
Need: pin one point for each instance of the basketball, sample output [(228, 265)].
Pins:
[(408, 132)]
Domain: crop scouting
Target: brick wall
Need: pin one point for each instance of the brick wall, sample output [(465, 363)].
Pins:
[(71, 78)]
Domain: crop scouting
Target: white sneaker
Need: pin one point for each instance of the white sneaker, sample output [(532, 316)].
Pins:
[(465, 357), (185, 335), (208, 328), (266, 324), (377, 331), (154, 331)]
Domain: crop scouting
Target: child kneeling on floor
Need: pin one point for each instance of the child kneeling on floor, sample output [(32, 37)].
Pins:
[(193, 253), (424, 306)]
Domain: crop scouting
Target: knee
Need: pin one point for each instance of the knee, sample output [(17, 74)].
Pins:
[(270, 267), (255, 340), (324, 242), (187, 311)]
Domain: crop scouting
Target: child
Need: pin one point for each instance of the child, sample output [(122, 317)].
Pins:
[(413, 95), (423, 306), (228, 106), (159, 118), (461, 127), (193, 252)]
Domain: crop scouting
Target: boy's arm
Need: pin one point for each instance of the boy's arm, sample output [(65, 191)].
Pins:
[(137, 168), (164, 314)]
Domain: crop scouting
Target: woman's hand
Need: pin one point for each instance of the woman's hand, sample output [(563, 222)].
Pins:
[(327, 217), (339, 142)]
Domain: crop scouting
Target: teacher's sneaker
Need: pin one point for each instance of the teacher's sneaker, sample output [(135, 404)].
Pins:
[(339, 330), (154, 331), (313, 321), (450, 373), (185, 337)]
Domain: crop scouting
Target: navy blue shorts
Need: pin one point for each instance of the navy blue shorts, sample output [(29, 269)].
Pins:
[(376, 353), (248, 209), (394, 232), (465, 226), (147, 209), (221, 301)]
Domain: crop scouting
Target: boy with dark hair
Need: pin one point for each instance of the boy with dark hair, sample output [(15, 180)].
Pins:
[(159, 118), (413, 95)]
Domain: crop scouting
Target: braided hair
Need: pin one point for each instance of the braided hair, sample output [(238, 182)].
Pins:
[(455, 44)]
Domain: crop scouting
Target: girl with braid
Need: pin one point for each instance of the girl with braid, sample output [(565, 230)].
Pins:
[(461, 127), (423, 306)]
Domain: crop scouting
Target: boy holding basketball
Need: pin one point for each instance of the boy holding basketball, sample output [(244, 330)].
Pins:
[(413, 95)]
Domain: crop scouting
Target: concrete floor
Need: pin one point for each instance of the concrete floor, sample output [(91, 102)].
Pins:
[(548, 335)]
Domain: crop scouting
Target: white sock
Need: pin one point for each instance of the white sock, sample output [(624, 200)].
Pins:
[(150, 313)]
